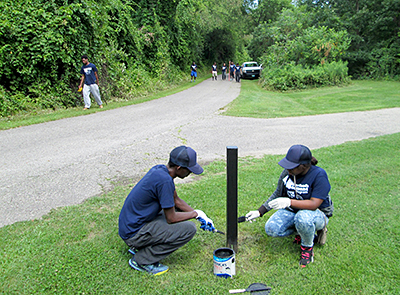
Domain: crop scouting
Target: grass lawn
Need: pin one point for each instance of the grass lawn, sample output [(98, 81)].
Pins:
[(77, 250), (358, 96)]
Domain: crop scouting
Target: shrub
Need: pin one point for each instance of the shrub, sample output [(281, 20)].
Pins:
[(292, 77)]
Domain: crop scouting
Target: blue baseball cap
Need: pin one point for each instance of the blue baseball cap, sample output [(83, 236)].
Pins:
[(186, 157), (296, 155)]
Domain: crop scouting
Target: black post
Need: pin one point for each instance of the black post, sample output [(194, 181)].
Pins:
[(232, 197)]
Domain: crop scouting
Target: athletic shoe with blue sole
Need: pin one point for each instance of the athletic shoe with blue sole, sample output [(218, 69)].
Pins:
[(153, 269)]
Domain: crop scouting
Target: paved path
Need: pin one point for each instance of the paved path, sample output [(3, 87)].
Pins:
[(64, 162)]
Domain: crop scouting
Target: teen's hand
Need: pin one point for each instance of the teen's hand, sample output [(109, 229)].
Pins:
[(252, 215), (279, 203)]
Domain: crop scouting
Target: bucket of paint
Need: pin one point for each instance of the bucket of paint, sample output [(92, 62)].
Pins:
[(224, 262)]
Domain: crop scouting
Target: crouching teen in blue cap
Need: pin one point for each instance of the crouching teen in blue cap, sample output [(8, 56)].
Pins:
[(154, 221), (302, 200)]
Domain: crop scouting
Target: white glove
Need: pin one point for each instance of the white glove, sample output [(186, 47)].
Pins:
[(252, 215), (280, 203), (206, 223), (200, 214)]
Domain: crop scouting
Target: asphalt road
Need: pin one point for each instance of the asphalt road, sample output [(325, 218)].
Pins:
[(64, 162)]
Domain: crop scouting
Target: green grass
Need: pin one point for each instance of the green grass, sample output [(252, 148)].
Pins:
[(358, 96), (41, 116), (77, 250)]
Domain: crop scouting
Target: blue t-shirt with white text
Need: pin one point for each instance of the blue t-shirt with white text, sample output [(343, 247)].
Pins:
[(314, 184), (89, 70)]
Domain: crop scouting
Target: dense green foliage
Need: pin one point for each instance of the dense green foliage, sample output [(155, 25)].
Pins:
[(374, 28), (138, 47), (301, 55), (143, 46)]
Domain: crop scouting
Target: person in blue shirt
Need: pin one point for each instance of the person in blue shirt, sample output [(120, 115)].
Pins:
[(237, 72), (154, 221), (302, 200), (91, 80), (224, 72), (231, 70), (214, 71), (193, 72)]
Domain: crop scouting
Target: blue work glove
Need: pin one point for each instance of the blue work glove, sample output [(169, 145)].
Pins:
[(206, 226), (206, 223)]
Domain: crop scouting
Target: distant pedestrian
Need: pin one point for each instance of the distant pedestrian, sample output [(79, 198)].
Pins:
[(231, 70), (91, 79), (193, 73), (214, 71), (224, 72), (237, 72)]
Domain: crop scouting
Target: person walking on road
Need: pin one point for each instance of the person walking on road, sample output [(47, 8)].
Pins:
[(237, 72), (224, 72), (154, 221), (302, 202), (214, 73), (231, 70), (91, 80)]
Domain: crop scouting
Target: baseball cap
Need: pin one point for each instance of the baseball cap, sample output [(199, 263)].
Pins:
[(186, 157), (297, 154)]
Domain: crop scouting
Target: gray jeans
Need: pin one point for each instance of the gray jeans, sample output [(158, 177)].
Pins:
[(94, 89), (158, 239)]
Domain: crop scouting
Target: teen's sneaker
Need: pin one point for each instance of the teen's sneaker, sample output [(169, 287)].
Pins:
[(153, 269), (307, 256), (321, 236)]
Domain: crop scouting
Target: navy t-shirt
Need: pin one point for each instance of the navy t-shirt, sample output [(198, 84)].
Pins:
[(214, 68), (314, 184), (89, 70), (154, 192)]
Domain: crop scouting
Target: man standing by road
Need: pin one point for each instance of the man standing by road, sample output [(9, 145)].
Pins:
[(91, 79), (154, 221), (193, 72)]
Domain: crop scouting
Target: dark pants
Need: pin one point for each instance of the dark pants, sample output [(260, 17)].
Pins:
[(237, 76), (158, 239)]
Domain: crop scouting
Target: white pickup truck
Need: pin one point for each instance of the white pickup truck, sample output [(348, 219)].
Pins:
[(250, 69)]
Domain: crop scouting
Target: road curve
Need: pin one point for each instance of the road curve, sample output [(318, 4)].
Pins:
[(64, 162)]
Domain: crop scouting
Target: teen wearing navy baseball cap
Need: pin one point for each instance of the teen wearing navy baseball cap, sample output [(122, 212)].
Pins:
[(154, 221), (186, 157), (297, 155), (302, 202)]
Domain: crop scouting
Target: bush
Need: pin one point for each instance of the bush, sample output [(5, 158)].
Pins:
[(292, 77)]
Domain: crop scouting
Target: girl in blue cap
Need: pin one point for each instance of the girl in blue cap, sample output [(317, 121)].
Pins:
[(302, 200)]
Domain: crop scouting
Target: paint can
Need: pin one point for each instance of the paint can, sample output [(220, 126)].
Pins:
[(224, 262)]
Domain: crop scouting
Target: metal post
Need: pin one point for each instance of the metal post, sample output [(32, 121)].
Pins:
[(232, 197)]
